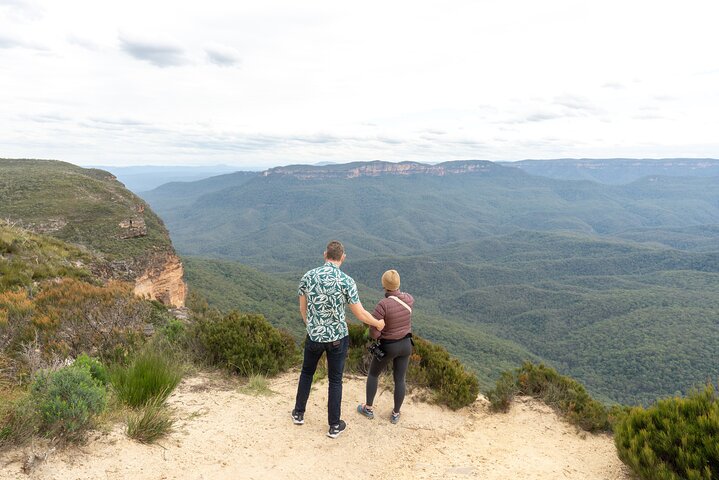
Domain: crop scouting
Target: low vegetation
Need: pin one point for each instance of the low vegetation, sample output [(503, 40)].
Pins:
[(151, 376), (66, 400), (564, 394), (674, 439), (151, 421), (244, 343), (26, 258), (85, 207)]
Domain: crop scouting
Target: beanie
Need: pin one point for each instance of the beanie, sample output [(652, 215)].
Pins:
[(390, 280)]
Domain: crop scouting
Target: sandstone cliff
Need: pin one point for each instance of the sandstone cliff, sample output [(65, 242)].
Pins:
[(162, 280), (90, 207), (378, 168)]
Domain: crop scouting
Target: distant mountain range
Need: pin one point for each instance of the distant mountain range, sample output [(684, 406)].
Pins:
[(614, 284), (144, 178), (279, 218), (618, 170)]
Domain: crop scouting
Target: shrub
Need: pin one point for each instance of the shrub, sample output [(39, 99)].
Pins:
[(562, 393), (358, 359), (501, 396), (674, 439), (174, 331), (19, 419), (151, 422), (454, 386), (16, 312), (67, 399), (245, 343), (96, 368), (75, 317), (151, 374)]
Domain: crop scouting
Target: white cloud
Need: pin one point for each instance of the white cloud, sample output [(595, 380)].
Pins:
[(382, 80), (158, 53), (222, 55)]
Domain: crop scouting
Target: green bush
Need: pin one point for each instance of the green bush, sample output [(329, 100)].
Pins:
[(564, 394), (96, 368), (454, 386), (500, 397), (358, 359), (150, 422), (19, 419), (149, 375), (67, 399), (674, 439), (174, 331), (245, 343)]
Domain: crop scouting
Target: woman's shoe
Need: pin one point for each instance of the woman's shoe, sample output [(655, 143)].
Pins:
[(363, 410), (394, 418)]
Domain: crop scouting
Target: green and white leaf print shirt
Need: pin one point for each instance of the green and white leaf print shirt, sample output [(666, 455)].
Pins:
[(328, 289)]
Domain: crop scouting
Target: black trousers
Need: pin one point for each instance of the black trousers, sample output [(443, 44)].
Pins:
[(398, 353)]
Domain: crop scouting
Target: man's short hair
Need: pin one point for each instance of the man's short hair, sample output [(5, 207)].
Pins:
[(335, 250)]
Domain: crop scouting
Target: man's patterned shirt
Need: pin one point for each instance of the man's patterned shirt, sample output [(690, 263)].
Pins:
[(328, 289)]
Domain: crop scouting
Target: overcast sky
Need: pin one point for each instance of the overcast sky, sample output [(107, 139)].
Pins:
[(264, 83)]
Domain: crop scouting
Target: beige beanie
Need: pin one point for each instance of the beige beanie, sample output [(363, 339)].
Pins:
[(390, 280)]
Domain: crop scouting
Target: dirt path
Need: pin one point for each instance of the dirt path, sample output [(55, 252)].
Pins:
[(223, 433)]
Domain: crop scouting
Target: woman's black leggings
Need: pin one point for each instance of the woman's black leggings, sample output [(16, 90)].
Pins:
[(398, 353)]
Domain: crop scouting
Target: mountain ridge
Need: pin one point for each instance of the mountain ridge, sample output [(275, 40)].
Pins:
[(378, 167), (90, 207)]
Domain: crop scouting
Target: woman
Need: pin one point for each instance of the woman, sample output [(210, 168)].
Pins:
[(395, 341)]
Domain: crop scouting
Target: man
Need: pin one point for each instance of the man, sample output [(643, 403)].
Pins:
[(323, 294)]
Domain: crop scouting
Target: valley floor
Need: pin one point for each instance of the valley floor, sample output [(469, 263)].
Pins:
[(223, 433)]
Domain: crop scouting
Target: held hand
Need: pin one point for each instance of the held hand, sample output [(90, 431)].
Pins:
[(380, 325)]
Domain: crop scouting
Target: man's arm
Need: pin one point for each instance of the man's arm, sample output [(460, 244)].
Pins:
[(365, 317), (303, 308)]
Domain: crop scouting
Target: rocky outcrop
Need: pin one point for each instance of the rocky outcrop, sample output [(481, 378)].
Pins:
[(133, 228), (162, 280), (378, 168)]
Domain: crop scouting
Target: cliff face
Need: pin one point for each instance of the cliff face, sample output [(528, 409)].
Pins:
[(91, 208), (162, 280), (378, 168)]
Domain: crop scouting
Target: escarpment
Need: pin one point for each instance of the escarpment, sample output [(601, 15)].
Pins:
[(162, 280), (378, 168), (89, 207)]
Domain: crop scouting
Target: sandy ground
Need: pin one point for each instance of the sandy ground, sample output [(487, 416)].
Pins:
[(223, 433)]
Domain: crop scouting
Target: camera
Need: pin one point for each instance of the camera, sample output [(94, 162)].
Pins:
[(376, 350)]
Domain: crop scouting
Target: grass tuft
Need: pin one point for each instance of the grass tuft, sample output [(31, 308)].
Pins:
[(257, 386), (150, 422), (150, 375)]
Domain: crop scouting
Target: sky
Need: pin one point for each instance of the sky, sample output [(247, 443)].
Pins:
[(266, 83)]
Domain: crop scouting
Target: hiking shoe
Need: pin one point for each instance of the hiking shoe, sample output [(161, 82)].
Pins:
[(394, 418), (335, 430), (297, 417), (363, 410)]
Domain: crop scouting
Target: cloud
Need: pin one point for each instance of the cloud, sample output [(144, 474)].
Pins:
[(223, 56), (82, 42), (47, 118), (541, 117), (22, 10), (160, 54), (573, 102), (9, 42), (613, 86)]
